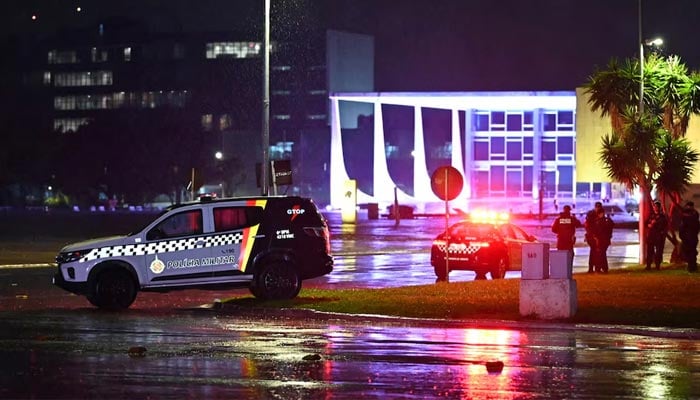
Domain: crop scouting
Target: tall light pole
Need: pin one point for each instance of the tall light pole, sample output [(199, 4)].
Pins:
[(266, 102)]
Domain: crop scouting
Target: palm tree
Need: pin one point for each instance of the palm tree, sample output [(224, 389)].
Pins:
[(647, 150)]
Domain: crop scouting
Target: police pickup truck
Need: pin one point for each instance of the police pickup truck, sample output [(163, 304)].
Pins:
[(268, 244)]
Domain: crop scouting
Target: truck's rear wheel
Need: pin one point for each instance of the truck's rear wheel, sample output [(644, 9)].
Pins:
[(276, 280)]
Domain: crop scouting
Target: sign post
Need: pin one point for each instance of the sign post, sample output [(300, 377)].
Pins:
[(447, 183)]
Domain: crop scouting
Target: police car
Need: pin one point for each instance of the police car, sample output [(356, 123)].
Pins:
[(486, 243), (269, 244)]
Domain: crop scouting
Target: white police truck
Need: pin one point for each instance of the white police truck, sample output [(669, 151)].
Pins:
[(269, 244)]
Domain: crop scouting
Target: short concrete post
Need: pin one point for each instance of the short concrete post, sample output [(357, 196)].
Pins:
[(547, 289)]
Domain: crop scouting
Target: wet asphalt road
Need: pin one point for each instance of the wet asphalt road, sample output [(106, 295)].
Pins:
[(54, 345), (161, 354)]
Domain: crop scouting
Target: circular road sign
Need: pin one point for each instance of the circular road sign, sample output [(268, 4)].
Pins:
[(447, 183)]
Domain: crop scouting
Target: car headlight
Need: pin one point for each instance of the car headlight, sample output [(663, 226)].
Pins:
[(70, 256)]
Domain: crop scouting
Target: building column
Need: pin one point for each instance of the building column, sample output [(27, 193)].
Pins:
[(537, 169), (468, 152), (421, 178), (338, 173), (383, 185)]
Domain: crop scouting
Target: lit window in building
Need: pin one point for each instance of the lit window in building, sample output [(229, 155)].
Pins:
[(317, 92), (98, 55), (47, 77), (233, 50), (498, 121), (90, 78), (63, 57), (281, 92), (105, 101), (282, 117), (444, 151), (64, 125), (281, 150), (224, 122), (281, 67), (127, 54), (207, 122), (316, 117)]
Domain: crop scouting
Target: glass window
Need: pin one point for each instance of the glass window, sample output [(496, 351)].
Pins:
[(497, 178), (481, 122), (527, 145), (127, 54), (233, 218), (498, 145), (565, 145), (514, 122), (182, 224), (550, 122), (566, 178), (514, 182), (498, 117), (565, 117), (527, 118), (513, 151), (549, 151), (481, 151)]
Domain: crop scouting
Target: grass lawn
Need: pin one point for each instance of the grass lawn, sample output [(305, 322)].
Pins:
[(631, 296)]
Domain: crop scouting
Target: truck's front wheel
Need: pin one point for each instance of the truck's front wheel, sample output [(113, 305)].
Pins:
[(114, 289)]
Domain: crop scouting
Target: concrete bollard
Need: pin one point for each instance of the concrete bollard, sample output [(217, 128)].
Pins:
[(546, 288)]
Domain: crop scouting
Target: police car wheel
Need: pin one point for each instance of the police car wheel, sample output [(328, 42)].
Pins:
[(440, 273), (499, 270), (276, 280), (114, 290)]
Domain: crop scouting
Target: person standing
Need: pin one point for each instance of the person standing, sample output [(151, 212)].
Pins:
[(601, 231), (565, 227), (688, 232), (657, 225), (588, 224)]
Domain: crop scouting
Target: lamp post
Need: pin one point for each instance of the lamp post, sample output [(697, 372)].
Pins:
[(643, 206), (266, 103)]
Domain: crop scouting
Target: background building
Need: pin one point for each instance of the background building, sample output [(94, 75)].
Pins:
[(201, 91)]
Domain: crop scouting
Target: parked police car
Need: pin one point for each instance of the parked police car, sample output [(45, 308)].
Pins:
[(269, 244), (486, 244)]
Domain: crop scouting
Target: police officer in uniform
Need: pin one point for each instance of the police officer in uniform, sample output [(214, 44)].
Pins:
[(600, 237), (591, 216), (688, 232), (657, 225), (565, 227)]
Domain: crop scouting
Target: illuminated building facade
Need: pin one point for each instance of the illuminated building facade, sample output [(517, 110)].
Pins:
[(515, 145)]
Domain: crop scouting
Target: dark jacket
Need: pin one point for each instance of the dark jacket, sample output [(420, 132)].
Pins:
[(690, 225), (565, 227), (602, 230), (657, 225)]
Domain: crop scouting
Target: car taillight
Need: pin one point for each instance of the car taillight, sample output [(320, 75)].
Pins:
[(321, 232)]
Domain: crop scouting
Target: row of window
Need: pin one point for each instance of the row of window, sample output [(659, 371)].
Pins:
[(87, 78), (518, 181), (233, 50), (108, 101), (64, 125), (97, 55), (520, 148), (515, 121)]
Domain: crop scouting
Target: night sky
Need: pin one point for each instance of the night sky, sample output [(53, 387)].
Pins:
[(428, 45)]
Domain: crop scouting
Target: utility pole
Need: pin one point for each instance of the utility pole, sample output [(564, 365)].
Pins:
[(266, 103)]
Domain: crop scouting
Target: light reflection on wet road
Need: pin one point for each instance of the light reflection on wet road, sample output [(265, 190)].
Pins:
[(378, 253), (84, 354), (60, 347)]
